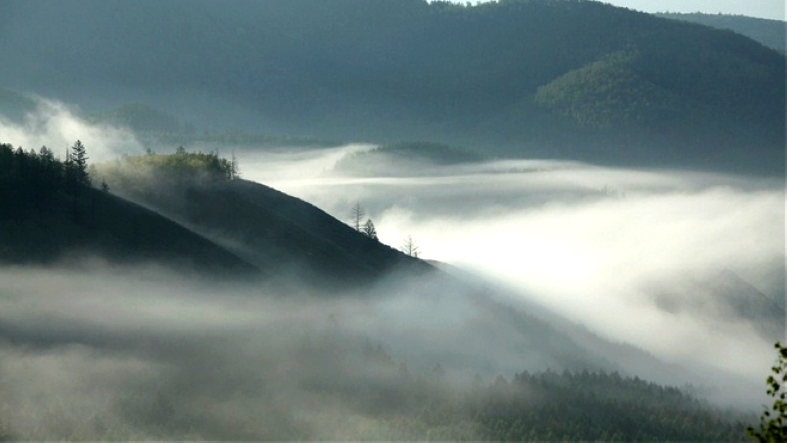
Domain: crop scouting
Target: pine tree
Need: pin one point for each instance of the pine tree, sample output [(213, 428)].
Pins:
[(369, 230), (78, 159)]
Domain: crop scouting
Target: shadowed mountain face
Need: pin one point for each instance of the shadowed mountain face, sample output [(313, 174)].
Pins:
[(729, 297), (768, 32), (520, 76), (48, 217), (282, 235), (111, 230)]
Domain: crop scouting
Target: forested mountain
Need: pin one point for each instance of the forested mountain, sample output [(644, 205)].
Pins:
[(768, 32), (49, 214), (281, 234), (552, 78)]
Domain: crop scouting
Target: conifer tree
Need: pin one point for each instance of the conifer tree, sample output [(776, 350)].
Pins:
[(78, 159), (369, 230)]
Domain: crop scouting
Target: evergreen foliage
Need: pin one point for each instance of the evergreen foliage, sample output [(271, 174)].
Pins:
[(31, 181), (147, 174), (392, 402), (765, 31), (369, 230), (47, 209)]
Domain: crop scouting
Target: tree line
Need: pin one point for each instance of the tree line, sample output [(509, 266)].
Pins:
[(31, 180)]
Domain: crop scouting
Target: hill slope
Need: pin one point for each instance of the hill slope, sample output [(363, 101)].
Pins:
[(388, 70), (44, 220), (279, 233), (767, 32)]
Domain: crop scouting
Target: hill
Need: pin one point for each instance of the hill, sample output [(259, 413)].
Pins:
[(282, 235), (46, 218), (413, 156), (767, 32), (519, 77)]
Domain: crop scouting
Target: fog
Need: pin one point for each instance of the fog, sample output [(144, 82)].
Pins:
[(659, 259), (98, 352), (57, 126), (599, 246)]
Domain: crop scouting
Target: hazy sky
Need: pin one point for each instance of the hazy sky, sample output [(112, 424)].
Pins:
[(773, 9)]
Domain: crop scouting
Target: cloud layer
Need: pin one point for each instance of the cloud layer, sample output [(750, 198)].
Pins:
[(600, 246)]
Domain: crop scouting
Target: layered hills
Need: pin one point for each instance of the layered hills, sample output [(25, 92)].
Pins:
[(562, 79)]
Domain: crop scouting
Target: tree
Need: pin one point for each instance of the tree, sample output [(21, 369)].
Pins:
[(78, 160), (773, 422), (357, 215), (369, 230), (409, 247)]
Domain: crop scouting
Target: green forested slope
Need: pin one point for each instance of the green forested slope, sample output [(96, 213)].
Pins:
[(386, 70), (46, 217)]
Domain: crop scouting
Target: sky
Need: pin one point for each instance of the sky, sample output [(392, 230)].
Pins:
[(771, 9)]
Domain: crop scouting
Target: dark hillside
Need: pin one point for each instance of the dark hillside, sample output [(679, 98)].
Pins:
[(43, 221), (516, 76), (769, 33), (279, 233)]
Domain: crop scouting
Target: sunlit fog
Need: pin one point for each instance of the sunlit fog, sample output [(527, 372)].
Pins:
[(514, 220)]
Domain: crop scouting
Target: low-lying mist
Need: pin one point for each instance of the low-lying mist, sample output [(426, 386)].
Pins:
[(666, 260), (685, 265), (98, 352)]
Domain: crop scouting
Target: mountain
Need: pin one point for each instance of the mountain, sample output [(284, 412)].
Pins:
[(725, 296), (767, 32), (282, 235), (548, 78), (46, 220), (198, 217)]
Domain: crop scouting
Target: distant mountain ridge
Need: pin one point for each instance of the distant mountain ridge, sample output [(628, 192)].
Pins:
[(770, 33), (390, 70)]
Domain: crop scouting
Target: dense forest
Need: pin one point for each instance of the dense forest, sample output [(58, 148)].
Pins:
[(768, 32), (52, 211), (568, 79)]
